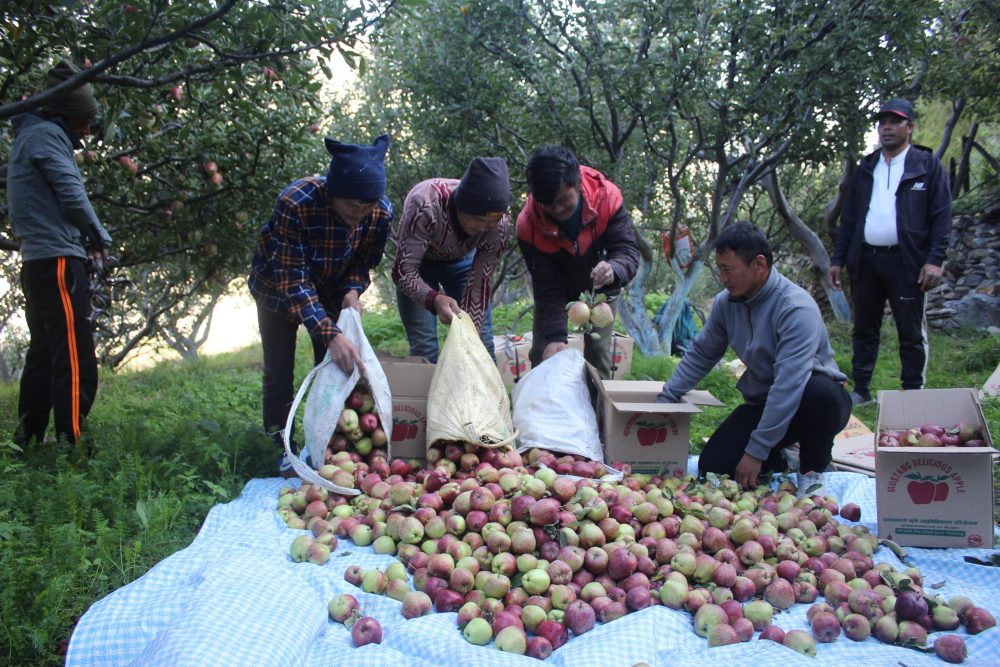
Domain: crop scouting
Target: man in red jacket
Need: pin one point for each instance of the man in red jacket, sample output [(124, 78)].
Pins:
[(575, 236)]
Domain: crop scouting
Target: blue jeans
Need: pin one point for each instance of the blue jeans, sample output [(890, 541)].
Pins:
[(421, 324)]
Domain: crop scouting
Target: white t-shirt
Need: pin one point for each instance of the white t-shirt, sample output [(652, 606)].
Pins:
[(880, 223)]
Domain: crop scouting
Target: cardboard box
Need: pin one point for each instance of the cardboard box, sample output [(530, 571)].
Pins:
[(409, 382), (934, 496), (854, 428), (855, 454), (512, 357), (854, 448), (622, 347), (652, 437), (992, 386)]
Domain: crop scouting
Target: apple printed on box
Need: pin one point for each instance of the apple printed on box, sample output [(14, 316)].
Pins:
[(649, 433), (409, 428), (925, 489), (512, 357), (653, 431), (621, 356), (404, 429)]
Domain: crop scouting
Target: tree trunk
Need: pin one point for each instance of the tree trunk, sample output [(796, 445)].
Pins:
[(834, 207), (666, 320), (632, 310), (949, 127), (961, 183), (811, 242)]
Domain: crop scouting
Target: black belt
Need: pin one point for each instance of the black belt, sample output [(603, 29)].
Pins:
[(879, 248)]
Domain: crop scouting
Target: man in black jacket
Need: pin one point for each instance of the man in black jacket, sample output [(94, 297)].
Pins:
[(893, 237)]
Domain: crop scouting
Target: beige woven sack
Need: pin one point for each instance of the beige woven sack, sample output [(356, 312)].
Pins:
[(467, 401)]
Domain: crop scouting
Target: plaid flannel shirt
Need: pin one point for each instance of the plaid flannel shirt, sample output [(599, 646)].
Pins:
[(308, 258)]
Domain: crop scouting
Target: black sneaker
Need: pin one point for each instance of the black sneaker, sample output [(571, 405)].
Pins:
[(861, 397)]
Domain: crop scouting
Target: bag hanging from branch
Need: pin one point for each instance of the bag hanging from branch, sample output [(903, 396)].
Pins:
[(685, 246), (467, 401), (330, 390)]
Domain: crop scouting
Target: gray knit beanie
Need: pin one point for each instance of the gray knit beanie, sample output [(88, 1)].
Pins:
[(77, 103)]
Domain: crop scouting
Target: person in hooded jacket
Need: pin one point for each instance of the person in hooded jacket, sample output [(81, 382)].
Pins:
[(61, 242)]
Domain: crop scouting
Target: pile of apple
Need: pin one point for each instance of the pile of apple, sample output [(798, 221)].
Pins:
[(359, 428), (569, 464), (530, 559), (461, 459), (933, 435)]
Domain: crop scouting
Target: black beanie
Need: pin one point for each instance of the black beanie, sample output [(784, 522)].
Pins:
[(357, 172), (485, 187), (77, 103)]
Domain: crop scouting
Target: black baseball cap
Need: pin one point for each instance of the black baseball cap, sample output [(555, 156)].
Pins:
[(898, 107)]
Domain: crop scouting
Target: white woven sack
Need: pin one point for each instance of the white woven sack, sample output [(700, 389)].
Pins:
[(330, 389), (467, 400), (552, 408)]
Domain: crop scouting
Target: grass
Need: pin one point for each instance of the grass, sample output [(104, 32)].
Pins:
[(173, 440)]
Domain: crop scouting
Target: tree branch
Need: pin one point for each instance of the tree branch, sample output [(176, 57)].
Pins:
[(949, 127), (810, 241), (88, 75)]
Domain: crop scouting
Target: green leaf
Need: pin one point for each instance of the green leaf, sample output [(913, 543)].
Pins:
[(894, 548), (218, 490), (140, 509)]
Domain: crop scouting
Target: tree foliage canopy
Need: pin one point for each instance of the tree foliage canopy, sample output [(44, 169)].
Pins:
[(703, 112), (691, 107), (208, 110)]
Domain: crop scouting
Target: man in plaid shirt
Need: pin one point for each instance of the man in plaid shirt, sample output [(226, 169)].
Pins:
[(313, 258)]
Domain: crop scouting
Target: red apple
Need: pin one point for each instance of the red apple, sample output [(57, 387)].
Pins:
[(366, 631)]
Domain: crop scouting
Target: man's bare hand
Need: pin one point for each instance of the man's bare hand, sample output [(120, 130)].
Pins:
[(602, 275), (446, 308), (98, 258), (833, 276), (553, 348), (344, 354), (352, 300), (930, 277), (747, 471)]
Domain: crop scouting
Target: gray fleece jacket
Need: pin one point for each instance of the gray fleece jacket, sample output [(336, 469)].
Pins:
[(48, 203), (780, 335)]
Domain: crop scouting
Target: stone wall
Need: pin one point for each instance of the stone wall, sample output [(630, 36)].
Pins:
[(969, 295)]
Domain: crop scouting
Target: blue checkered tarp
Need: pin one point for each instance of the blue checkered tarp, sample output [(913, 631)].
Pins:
[(234, 597)]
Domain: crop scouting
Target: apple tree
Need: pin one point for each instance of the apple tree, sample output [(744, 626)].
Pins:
[(689, 107), (208, 109)]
